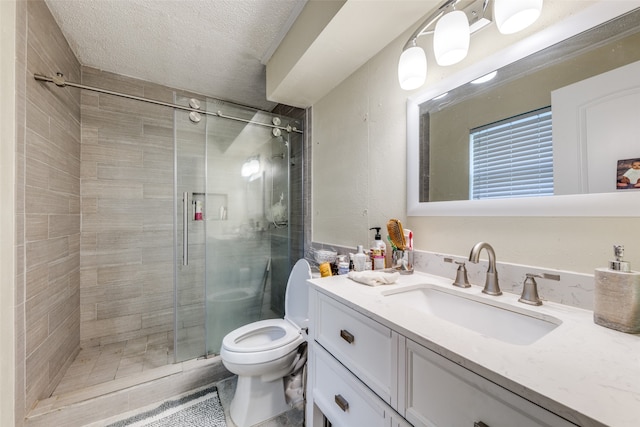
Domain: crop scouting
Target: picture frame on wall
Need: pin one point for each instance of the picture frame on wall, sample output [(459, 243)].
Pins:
[(628, 174)]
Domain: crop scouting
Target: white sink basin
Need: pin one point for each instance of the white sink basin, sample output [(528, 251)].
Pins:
[(502, 322)]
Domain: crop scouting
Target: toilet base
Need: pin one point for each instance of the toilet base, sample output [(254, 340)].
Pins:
[(256, 401)]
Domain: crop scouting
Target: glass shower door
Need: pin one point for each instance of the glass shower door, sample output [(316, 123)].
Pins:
[(189, 235), (232, 225), (243, 162)]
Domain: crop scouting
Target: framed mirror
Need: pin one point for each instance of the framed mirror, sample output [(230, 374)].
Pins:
[(438, 156)]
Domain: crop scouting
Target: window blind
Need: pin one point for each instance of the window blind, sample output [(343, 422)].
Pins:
[(512, 157)]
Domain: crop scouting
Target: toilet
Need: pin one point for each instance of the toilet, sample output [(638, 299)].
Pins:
[(262, 353)]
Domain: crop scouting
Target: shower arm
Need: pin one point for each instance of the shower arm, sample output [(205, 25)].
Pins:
[(60, 81)]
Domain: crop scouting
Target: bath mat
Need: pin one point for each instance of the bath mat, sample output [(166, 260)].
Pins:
[(201, 408)]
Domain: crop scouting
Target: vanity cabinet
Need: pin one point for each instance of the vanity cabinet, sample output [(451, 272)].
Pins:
[(344, 399), (365, 347), (442, 393), (363, 373)]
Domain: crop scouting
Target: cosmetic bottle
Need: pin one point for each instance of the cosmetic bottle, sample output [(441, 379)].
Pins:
[(198, 211), (343, 264), (325, 270), (378, 251), (616, 303), (359, 259)]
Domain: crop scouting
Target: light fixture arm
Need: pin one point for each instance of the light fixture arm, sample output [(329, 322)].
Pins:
[(432, 19), (422, 29), (452, 32)]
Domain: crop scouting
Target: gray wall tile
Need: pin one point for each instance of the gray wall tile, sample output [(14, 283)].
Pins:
[(48, 207)]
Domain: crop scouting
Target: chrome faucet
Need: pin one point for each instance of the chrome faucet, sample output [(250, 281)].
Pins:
[(491, 286)]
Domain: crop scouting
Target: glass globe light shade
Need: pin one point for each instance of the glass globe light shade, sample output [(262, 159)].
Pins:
[(513, 16), (250, 167), (412, 68), (451, 38)]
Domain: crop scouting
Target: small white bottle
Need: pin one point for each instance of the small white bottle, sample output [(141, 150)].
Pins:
[(343, 264), (360, 259)]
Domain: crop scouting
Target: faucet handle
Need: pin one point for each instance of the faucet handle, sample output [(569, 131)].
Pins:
[(462, 280), (530, 288)]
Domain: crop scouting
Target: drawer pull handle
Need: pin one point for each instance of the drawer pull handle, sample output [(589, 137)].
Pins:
[(347, 336), (479, 424), (342, 402)]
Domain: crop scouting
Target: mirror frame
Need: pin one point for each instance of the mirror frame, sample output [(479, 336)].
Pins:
[(601, 204)]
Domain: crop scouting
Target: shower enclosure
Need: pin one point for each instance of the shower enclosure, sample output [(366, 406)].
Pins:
[(188, 227), (232, 234)]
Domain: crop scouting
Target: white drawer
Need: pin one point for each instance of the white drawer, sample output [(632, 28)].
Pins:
[(344, 400), (364, 346), (440, 393)]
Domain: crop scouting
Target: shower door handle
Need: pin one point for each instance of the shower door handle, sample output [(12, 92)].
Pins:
[(185, 228)]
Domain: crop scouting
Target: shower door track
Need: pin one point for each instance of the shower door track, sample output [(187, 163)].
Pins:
[(59, 80)]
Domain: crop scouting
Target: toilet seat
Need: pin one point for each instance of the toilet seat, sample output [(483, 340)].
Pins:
[(267, 340), (260, 342), (261, 336)]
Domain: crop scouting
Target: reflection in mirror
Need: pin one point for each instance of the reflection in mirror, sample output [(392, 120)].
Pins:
[(520, 88)]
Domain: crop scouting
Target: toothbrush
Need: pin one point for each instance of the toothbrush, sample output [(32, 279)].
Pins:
[(408, 236)]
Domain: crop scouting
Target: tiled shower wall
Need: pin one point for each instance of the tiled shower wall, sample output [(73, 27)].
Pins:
[(47, 207), (127, 211)]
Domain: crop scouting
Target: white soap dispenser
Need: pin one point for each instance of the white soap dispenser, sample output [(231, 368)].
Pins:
[(616, 303), (378, 251)]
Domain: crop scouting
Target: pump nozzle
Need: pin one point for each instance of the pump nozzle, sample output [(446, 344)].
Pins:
[(618, 264), (378, 237)]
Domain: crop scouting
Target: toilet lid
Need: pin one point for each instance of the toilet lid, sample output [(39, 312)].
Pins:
[(296, 299), (261, 336)]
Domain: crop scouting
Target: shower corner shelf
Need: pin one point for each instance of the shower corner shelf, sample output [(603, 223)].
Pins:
[(217, 210)]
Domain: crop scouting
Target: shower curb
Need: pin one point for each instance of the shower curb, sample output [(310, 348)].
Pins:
[(103, 401)]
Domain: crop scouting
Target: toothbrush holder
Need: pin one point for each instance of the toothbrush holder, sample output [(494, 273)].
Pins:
[(402, 261)]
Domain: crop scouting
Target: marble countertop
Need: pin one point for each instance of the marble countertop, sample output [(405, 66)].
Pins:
[(586, 373)]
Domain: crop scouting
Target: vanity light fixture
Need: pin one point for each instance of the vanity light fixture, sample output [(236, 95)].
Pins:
[(412, 69), (452, 33), (513, 16), (451, 38)]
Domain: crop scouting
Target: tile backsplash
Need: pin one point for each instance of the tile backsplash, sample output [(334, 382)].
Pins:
[(574, 289)]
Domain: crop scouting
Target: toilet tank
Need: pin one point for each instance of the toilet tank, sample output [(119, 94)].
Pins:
[(296, 299)]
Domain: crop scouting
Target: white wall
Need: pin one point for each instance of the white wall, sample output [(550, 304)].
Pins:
[(359, 175), (359, 156), (7, 210)]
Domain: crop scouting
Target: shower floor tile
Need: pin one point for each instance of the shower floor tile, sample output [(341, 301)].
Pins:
[(97, 365)]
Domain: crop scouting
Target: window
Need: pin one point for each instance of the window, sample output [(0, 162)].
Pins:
[(512, 157)]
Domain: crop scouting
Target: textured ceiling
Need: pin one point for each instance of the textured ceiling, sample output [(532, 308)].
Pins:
[(213, 47)]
